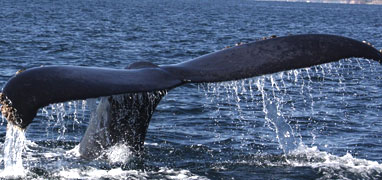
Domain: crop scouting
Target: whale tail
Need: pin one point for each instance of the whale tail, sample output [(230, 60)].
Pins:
[(34, 88)]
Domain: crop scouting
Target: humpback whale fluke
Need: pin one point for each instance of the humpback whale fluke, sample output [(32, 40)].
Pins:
[(34, 88)]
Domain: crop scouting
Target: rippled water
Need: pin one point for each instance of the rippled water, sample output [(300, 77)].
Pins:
[(326, 118)]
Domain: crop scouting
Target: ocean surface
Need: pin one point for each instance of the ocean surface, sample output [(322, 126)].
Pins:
[(322, 122)]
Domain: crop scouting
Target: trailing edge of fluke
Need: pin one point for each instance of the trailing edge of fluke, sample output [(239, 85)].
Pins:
[(37, 87)]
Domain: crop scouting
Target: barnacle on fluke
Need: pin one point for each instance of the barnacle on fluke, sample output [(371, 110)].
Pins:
[(9, 112)]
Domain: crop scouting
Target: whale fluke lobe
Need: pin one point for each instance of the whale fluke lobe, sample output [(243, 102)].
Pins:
[(272, 55), (140, 87), (39, 87)]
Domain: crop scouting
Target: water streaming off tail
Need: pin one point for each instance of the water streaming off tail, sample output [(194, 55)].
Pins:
[(307, 113), (292, 101), (61, 118), (54, 126), (274, 117), (14, 147)]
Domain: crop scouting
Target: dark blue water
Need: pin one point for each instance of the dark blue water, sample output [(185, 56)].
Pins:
[(322, 122)]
